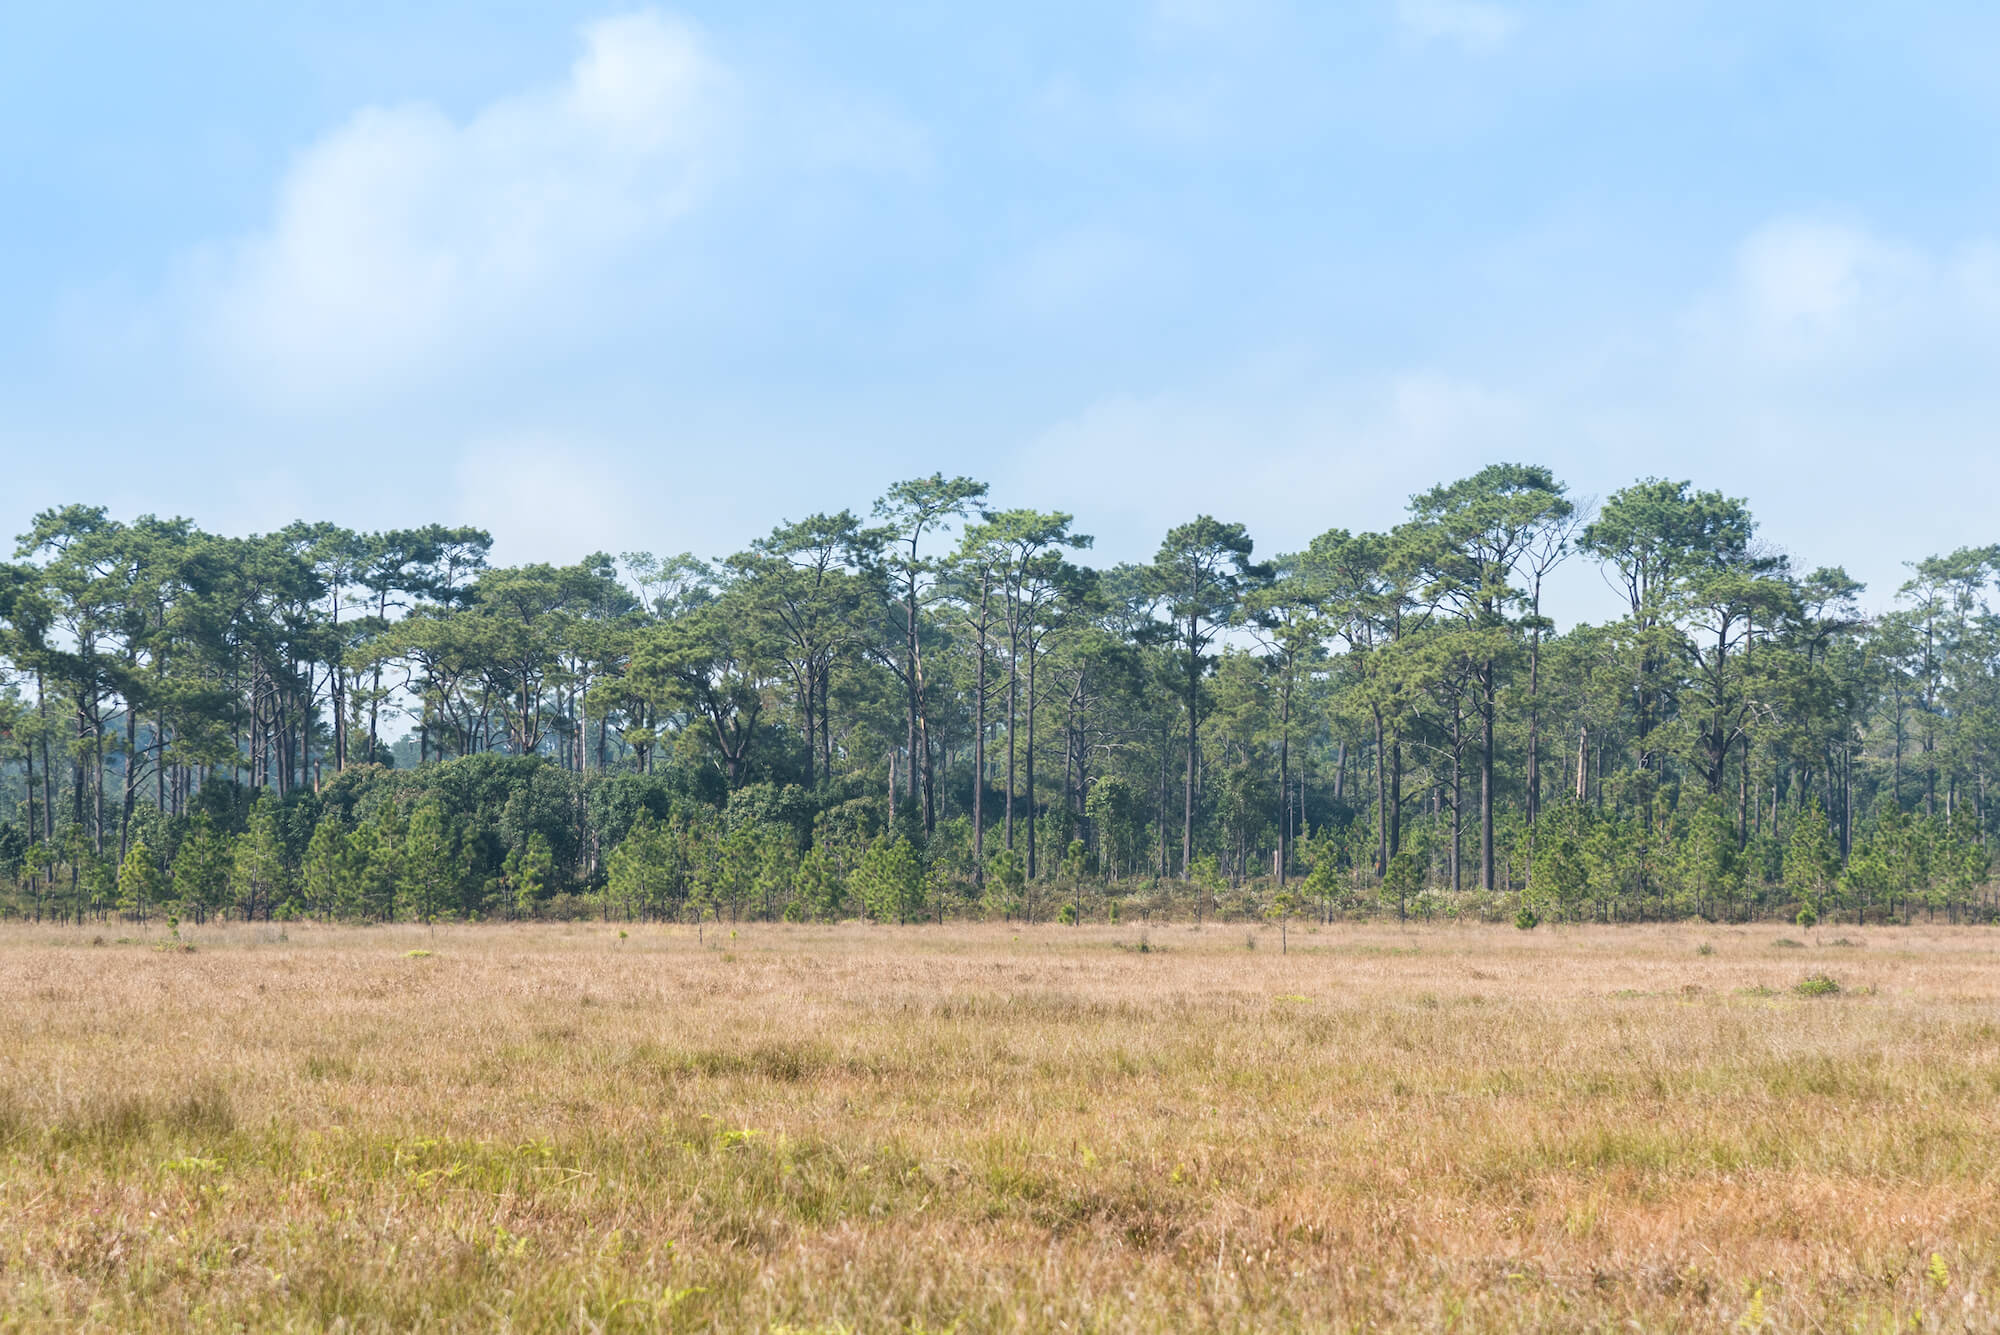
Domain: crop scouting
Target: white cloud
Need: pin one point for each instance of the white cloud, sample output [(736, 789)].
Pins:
[(1472, 24), (1809, 295), (405, 241)]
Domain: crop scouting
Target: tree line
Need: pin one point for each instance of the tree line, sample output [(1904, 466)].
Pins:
[(942, 708)]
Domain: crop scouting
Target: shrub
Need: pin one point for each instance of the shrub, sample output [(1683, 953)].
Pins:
[(1817, 985), (1526, 919)]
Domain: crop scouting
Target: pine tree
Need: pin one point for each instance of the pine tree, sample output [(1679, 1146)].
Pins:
[(430, 869), (374, 866), (258, 872), (890, 881), (138, 882), (530, 873), (201, 870), (818, 887), (1811, 863), (641, 870), (323, 873)]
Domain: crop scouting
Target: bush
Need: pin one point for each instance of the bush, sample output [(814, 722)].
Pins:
[(1817, 985), (1526, 919)]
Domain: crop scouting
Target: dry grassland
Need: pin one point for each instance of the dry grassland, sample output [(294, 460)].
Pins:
[(973, 1128)]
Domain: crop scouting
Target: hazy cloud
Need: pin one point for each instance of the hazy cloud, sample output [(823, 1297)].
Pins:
[(549, 498), (1809, 295), (404, 240), (1286, 447), (1473, 24)]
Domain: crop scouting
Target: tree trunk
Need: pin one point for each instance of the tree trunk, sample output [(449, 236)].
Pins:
[(1488, 706), (979, 748), (1395, 797), (1013, 680), (1284, 783), (1381, 798), (1194, 743), (48, 770), (1457, 793), (131, 777), (1534, 768), (1029, 795)]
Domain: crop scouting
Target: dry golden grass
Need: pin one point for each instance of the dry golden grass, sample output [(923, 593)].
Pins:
[(981, 1128)]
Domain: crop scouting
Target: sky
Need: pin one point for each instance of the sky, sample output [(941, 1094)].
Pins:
[(603, 278)]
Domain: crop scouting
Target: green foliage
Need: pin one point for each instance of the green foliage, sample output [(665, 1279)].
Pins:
[(1327, 875), (529, 872), (758, 729), (1402, 881), (374, 864), (647, 874), (820, 889), (1006, 874), (323, 873), (1560, 879), (1812, 863), (201, 870), (139, 882), (1113, 807), (428, 887), (889, 881), (259, 877)]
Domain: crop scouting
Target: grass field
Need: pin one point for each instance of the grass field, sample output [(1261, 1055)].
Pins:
[(978, 1128)]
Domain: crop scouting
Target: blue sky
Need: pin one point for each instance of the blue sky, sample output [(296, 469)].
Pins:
[(655, 278)]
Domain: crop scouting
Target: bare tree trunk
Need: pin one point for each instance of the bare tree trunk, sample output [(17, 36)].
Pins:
[(1030, 794), (130, 798), (1488, 706), (1457, 792), (1284, 782), (1396, 797), (1013, 679), (48, 770), (1534, 769), (1194, 747), (1381, 798), (825, 719)]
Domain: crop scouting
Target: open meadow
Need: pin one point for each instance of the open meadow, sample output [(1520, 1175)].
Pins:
[(595, 1127)]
